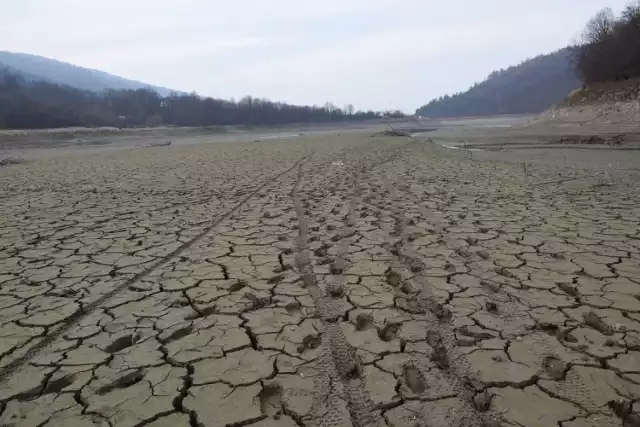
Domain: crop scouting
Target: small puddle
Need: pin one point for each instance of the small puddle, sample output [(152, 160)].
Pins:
[(442, 144), (455, 147), (279, 136)]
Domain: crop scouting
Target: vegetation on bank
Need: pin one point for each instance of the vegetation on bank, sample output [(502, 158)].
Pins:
[(26, 103), (610, 47)]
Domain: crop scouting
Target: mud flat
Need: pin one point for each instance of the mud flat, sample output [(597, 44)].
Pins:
[(327, 280)]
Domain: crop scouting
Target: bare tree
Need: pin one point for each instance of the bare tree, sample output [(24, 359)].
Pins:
[(350, 109), (631, 13), (610, 46), (600, 27)]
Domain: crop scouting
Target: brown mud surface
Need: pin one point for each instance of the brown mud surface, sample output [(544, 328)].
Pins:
[(327, 280)]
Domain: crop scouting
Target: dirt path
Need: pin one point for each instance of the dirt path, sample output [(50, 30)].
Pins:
[(322, 281)]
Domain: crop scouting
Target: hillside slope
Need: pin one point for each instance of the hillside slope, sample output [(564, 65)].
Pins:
[(611, 103), (51, 70), (607, 59), (529, 87)]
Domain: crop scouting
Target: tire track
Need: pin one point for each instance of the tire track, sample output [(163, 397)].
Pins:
[(464, 389), (552, 358), (457, 374), (467, 391), (13, 367), (347, 369), (339, 389)]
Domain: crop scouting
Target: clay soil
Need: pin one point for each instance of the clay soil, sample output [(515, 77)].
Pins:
[(336, 279)]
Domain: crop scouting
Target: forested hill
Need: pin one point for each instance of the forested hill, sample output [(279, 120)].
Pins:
[(50, 70), (28, 103), (530, 87)]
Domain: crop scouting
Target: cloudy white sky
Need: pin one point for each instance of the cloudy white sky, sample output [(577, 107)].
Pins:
[(373, 53)]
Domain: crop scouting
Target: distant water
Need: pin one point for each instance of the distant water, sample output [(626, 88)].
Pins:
[(442, 144)]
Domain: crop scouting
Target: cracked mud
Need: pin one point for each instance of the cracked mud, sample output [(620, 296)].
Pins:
[(326, 281)]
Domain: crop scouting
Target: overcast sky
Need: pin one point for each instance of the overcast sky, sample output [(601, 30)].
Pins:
[(373, 53)]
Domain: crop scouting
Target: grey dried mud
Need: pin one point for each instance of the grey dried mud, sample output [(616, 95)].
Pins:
[(358, 282)]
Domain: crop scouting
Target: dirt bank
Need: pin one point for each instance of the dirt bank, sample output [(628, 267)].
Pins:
[(613, 103)]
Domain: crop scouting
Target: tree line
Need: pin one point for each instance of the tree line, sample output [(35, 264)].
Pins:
[(528, 87), (609, 49), (28, 104)]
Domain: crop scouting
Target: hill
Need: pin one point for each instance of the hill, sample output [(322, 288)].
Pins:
[(530, 87), (34, 67), (29, 103)]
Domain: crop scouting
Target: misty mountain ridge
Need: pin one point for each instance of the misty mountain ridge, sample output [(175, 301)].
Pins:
[(33, 95), (529, 87), (34, 68)]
